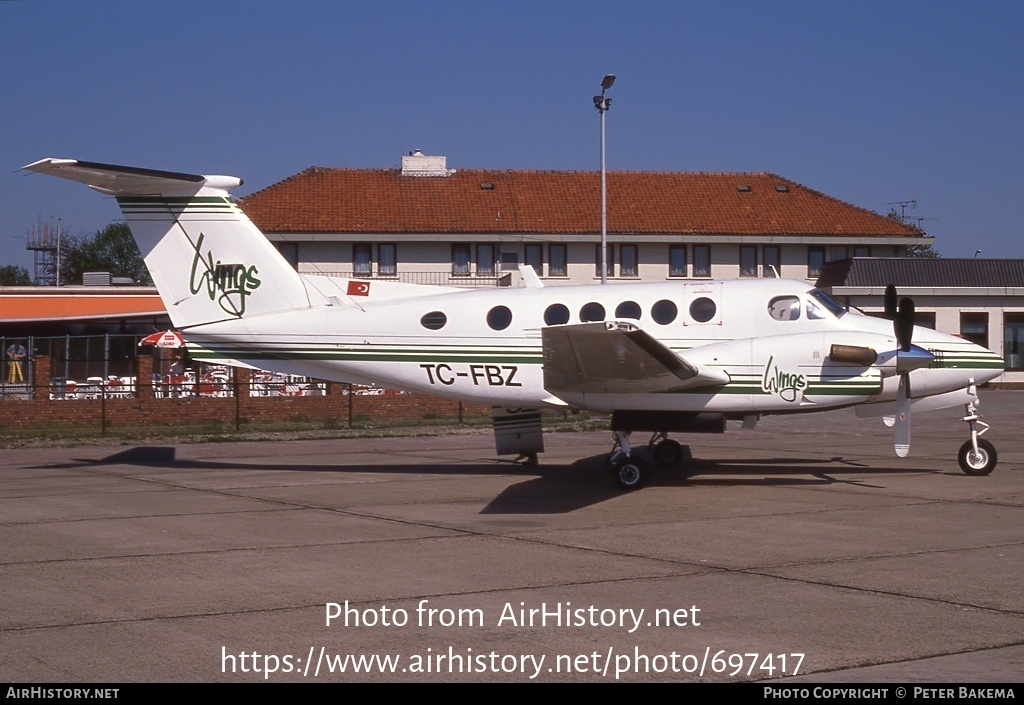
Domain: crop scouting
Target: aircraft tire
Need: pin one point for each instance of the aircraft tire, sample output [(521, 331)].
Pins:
[(981, 463), (629, 474), (668, 452)]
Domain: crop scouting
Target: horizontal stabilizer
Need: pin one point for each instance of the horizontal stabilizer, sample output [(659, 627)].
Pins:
[(115, 179), (615, 357)]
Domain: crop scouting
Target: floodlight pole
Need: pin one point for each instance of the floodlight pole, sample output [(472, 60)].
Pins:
[(602, 104)]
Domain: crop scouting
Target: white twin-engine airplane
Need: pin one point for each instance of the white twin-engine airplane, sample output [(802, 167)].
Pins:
[(663, 357)]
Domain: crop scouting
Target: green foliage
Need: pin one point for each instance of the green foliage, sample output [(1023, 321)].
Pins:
[(925, 251), (14, 275), (111, 249)]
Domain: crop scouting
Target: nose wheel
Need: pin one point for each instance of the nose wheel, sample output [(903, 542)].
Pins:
[(977, 461), (977, 456)]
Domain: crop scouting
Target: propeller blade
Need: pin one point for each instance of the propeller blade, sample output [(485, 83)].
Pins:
[(890, 302), (901, 429), (904, 324)]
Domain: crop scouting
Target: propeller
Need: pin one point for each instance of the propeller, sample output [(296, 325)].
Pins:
[(909, 357), (890, 302)]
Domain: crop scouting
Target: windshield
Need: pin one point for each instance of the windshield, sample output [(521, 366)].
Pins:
[(828, 302)]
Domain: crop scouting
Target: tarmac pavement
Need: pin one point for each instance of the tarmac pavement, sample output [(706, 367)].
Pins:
[(802, 550)]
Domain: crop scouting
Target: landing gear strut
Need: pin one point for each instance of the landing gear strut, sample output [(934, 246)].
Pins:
[(668, 452), (628, 471), (977, 456)]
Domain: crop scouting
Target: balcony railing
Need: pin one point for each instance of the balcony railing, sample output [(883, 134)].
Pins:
[(432, 278)]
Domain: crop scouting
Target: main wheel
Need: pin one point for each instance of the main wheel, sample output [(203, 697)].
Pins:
[(629, 474), (981, 462), (668, 452)]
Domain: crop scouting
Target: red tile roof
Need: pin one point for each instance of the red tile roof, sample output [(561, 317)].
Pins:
[(384, 201)]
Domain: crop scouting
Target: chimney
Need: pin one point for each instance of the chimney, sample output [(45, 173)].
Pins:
[(416, 163)]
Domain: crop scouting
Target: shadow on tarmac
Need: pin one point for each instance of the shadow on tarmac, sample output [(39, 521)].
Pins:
[(555, 489)]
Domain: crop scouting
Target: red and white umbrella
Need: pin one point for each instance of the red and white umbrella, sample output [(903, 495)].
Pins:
[(166, 339)]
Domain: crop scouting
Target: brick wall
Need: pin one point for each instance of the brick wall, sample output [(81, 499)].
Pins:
[(147, 409)]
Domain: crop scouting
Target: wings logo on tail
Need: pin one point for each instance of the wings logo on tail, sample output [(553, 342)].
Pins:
[(227, 284)]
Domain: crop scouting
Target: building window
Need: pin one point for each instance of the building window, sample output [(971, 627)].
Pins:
[(387, 260), (628, 266), (509, 261), (974, 327), (290, 251), (460, 260), (557, 261), (677, 260), (610, 262), (1013, 340), (485, 260), (862, 251), (772, 264), (702, 260), (362, 259), (748, 260), (924, 319), (839, 253), (535, 258), (815, 261)]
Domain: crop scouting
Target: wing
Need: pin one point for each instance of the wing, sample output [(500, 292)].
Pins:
[(614, 357)]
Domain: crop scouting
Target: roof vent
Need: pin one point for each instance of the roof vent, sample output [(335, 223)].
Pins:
[(487, 185), (416, 163), (743, 188), (96, 279), (781, 188)]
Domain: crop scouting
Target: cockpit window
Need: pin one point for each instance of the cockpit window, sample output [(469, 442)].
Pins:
[(815, 312), (784, 308), (828, 302)]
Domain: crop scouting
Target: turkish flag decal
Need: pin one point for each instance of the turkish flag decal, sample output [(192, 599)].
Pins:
[(358, 288)]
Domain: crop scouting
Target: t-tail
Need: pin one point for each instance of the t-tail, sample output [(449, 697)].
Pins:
[(209, 262)]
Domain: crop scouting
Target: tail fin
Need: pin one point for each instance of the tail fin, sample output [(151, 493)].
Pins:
[(207, 259)]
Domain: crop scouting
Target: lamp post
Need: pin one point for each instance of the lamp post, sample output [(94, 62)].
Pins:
[(602, 104)]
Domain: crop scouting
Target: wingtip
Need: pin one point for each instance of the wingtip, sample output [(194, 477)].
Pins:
[(48, 162)]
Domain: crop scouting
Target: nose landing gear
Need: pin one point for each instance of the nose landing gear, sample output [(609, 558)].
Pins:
[(977, 456)]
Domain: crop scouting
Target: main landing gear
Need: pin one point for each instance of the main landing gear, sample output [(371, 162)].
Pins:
[(977, 456), (630, 471)]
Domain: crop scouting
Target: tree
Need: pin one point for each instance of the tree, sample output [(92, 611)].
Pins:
[(111, 249), (923, 251), (14, 275)]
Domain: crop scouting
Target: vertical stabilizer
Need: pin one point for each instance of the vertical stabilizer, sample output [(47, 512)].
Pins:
[(207, 259)]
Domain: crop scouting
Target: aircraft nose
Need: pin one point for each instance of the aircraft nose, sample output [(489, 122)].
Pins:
[(986, 364)]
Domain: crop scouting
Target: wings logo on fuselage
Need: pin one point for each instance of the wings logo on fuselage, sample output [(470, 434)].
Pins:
[(787, 385), (227, 284)]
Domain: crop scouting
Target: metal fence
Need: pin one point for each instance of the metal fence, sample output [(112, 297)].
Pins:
[(94, 366)]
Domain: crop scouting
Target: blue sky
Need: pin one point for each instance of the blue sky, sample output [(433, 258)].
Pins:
[(870, 102)]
